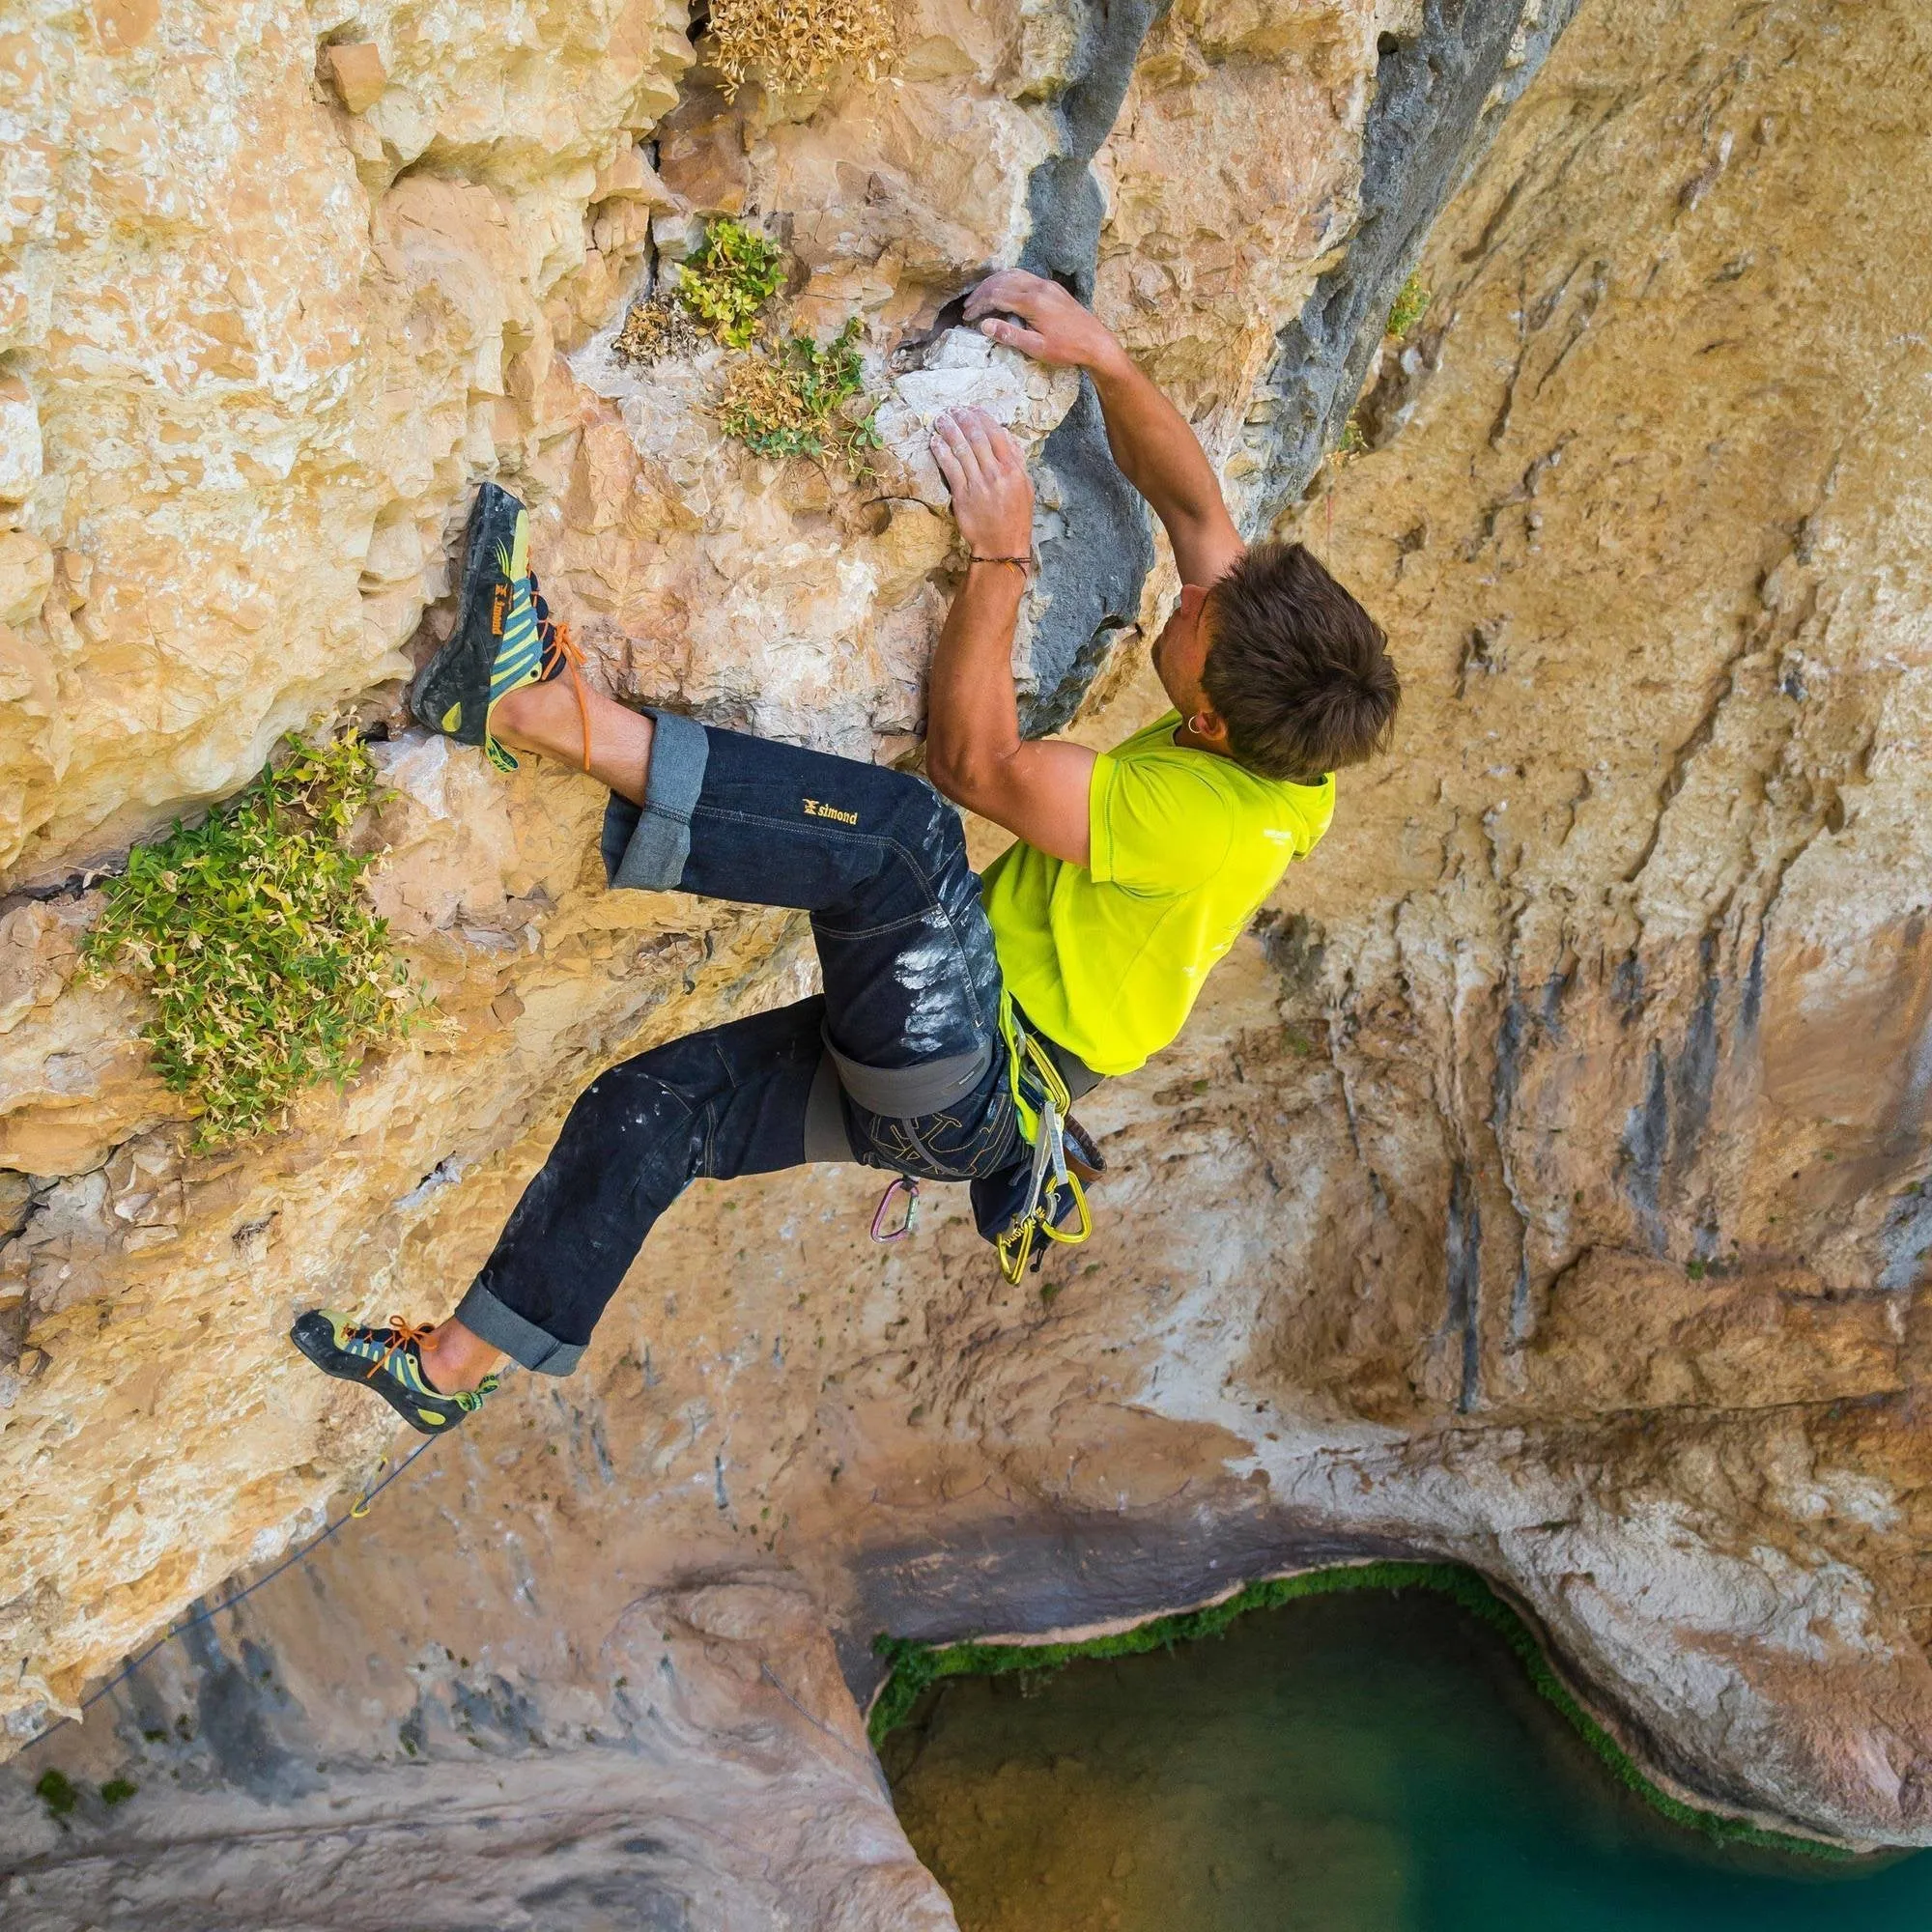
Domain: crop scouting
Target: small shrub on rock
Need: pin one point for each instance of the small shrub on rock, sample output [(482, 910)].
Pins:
[(796, 398), (56, 1793), (269, 971), (1410, 305), (726, 286)]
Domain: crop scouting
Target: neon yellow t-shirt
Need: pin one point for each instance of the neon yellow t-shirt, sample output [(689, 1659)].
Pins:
[(1107, 958)]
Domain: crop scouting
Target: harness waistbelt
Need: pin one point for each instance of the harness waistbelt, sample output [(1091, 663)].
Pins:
[(1081, 1079), (905, 1092), (894, 1093)]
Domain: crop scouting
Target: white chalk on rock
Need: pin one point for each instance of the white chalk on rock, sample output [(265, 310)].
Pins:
[(20, 455), (964, 369)]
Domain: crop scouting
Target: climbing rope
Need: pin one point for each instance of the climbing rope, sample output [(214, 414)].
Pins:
[(354, 1514)]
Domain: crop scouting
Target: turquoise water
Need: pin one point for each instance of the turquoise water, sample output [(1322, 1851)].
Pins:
[(1357, 1763)]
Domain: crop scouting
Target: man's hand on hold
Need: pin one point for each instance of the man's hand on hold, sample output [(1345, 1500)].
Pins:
[(1052, 328), (985, 470), (1150, 440)]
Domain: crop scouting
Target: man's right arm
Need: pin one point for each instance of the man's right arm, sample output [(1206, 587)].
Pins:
[(1156, 450)]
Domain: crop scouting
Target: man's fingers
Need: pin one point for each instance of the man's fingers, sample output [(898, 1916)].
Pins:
[(1009, 288), (950, 435), (1002, 449), (981, 431), (949, 463), (1027, 341)]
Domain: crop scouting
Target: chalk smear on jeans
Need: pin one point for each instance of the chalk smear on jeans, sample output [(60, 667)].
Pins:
[(929, 973)]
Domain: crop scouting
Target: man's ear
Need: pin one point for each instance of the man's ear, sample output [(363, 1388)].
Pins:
[(1214, 726), (1208, 730)]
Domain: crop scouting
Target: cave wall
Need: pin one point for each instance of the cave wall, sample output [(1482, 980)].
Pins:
[(708, 1768), (1538, 1185)]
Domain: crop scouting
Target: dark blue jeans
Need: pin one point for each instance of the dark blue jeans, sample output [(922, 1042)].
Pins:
[(899, 1065)]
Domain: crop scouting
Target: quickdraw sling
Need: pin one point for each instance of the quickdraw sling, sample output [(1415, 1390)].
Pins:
[(1042, 1102)]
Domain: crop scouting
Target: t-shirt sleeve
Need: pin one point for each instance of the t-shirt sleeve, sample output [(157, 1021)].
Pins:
[(1154, 826)]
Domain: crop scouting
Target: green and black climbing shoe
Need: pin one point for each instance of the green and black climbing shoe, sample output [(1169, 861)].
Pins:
[(496, 647), (388, 1361)]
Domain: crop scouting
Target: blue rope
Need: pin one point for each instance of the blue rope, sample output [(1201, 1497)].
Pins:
[(359, 1510)]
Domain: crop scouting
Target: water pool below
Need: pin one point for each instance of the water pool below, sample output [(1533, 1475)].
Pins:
[(1363, 1762)]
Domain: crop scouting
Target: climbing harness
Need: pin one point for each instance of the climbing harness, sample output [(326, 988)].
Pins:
[(1040, 1105), (1041, 1101)]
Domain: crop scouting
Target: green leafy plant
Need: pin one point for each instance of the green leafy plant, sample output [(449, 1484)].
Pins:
[(1353, 442), (269, 971), (1410, 305), (795, 398), (117, 1791), (56, 1793), (912, 1667), (725, 288)]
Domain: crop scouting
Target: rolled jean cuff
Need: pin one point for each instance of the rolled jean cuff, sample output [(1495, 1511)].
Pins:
[(524, 1342), (646, 850)]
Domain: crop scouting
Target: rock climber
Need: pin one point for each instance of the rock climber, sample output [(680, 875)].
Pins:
[(960, 1016)]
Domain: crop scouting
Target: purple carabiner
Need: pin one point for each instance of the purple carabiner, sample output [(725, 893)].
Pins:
[(904, 1228)]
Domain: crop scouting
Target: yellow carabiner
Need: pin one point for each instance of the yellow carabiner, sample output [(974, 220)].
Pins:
[(1070, 1238), (1014, 1250)]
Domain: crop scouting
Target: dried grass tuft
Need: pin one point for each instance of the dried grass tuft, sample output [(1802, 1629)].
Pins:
[(657, 326), (792, 44)]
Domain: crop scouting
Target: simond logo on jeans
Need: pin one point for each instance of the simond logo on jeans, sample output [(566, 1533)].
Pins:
[(813, 808)]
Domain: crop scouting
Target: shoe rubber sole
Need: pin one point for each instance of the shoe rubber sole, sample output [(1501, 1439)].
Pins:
[(314, 1334), (452, 692)]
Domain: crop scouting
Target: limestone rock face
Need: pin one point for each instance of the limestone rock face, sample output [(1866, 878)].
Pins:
[(1541, 1184), (705, 1766), (251, 360), (1623, 967)]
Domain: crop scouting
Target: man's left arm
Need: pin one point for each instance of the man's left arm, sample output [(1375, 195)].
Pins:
[(974, 753)]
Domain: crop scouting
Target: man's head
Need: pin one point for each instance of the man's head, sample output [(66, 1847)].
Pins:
[(1277, 666)]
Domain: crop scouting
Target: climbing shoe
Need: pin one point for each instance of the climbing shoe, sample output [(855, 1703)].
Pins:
[(503, 638), (388, 1361)]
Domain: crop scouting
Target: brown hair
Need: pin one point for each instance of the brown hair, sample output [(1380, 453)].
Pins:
[(1298, 670)]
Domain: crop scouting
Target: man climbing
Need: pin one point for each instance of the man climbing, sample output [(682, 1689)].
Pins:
[(959, 1016)]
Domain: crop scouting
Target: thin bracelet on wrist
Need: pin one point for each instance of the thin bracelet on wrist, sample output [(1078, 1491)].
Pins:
[(1023, 564)]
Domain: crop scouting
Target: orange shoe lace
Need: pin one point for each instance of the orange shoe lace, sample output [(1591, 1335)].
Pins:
[(402, 1332), (555, 636)]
